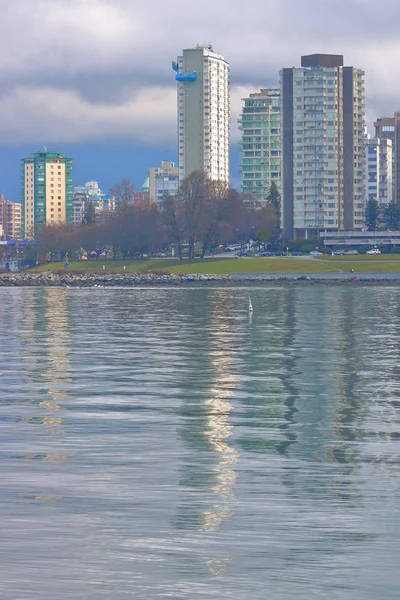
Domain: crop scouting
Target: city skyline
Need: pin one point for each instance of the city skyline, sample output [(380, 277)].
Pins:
[(110, 99)]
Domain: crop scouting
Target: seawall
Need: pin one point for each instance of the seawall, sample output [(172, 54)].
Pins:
[(47, 279)]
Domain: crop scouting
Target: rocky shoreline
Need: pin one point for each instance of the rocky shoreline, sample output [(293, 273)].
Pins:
[(86, 280)]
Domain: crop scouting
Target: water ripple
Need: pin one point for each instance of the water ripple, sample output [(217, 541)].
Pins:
[(166, 444)]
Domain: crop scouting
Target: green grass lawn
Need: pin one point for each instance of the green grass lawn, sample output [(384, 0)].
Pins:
[(367, 266), (211, 266), (132, 266), (255, 265), (362, 257), (226, 266)]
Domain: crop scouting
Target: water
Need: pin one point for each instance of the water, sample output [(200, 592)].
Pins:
[(166, 444)]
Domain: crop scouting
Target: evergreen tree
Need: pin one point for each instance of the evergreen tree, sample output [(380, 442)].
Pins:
[(90, 216), (274, 197), (392, 217), (371, 214)]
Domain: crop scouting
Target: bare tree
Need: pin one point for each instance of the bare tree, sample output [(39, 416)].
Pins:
[(192, 193), (215, 209), (171, 222), (123, 192)]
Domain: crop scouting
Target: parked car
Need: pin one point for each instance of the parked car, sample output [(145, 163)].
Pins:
[(373, 251), (338, 252), (297, 254), (347, 252), (316, 253)]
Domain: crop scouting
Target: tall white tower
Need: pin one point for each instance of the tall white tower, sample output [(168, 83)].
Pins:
[(203, 113)]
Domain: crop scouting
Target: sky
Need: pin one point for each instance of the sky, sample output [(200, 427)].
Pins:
[(92, 78)]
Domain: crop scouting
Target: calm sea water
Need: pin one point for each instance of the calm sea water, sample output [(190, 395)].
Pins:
[(166, 444)]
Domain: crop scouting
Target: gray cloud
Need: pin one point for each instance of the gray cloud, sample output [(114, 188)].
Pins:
[(80, 70)]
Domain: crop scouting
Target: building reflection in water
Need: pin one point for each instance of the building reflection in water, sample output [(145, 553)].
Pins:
[(209, 458), (47, 341), (217, 432)]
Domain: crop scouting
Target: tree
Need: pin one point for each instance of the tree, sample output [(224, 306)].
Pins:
[(123, 192), (171, 224), (55, 239), (95, 239), (214, 211), (90, 215), (274, 197), (392, 217), (371, 214), (191, 198)]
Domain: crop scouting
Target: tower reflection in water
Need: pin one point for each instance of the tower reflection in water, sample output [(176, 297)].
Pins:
[(46, 370), (210, 459)]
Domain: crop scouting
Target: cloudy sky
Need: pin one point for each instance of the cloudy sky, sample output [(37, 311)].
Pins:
[(93, 78)]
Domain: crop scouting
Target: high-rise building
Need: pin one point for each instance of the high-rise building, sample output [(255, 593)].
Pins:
[(389, 128), (203, 113), (385, 128), (261, 142), (378, 170), (46, 191), (322, 124), (163, 179), (10, 219)]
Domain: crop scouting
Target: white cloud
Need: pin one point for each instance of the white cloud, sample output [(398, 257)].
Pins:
[(50, 115), (31, 114), (77, 70)]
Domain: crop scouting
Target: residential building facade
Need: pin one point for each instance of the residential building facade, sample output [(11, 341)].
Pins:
[(163, 179), (322, 125), (260, 143), (141, 197), (47, 194), (91, 193), (385, 128), (10, 219), (378, 170), (203, 113)]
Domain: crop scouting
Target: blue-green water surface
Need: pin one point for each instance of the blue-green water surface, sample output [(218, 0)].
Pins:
[(165, 443)]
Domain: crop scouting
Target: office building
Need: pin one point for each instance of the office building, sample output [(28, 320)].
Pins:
[(378, 170), (46, 191), (260, 125), (322, 125), (203, 113), (163, 179)]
